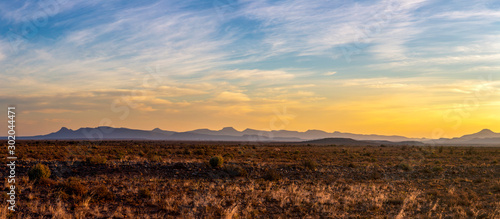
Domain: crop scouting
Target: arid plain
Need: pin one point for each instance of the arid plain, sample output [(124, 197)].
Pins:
[(161, 179)]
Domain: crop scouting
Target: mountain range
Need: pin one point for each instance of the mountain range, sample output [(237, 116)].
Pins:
[(484, 137)]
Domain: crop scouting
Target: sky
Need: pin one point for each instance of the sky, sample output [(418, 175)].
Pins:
[(417, 68)]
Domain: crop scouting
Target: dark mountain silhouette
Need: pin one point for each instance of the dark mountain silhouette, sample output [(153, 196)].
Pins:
[(352, 142), (340, 141), (230, 131), (109, 133), (484, 137), (251, 132), (168, 133), (307, 135), (485, 133), (483, 141), (318, 134), (103, 132), (410, 143)]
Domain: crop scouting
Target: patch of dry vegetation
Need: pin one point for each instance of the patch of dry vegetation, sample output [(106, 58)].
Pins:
[(135, 179)]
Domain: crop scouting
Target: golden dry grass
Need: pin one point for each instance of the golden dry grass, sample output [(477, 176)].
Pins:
[(152, 179)]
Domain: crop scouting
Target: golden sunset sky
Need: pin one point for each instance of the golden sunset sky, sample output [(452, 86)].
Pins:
[(417, 68)]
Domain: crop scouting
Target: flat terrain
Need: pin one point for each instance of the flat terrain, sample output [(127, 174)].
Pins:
[(157, 179)]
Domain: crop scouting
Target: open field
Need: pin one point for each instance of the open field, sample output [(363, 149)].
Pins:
[(156, 179)]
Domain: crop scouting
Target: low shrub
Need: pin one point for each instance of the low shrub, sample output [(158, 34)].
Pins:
[(310, 164), (395, 201), (154, 158), (236, 171), (38, 172), (102, 193), (216, 161), (186, 151), (96, 160), (404, 166), (144, 193), (272, 175), (376, 175), (437, 169), (199, 152), (47, 182), (73, 186)]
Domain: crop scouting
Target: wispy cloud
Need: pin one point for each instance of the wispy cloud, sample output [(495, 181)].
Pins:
[(315, 28), (231, 97), (312, 56), (251, 74), (29, 11)]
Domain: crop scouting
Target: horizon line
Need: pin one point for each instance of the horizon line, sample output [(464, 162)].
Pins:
[(484, 129)]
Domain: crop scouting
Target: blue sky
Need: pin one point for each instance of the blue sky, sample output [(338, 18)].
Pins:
[(337, 65)]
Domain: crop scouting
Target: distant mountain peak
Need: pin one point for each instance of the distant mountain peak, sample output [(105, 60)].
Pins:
[(157, 129), (249, 129), (315, 131), (64, 129), (202, 130), (229, 129), (486, 131)]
